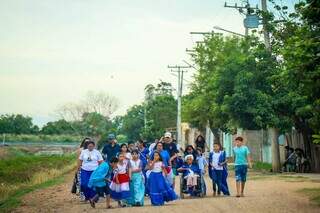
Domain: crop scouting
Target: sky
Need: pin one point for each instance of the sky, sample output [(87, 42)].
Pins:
[(53, 51)]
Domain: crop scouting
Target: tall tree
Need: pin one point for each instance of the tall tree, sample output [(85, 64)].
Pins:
[(133, 122)]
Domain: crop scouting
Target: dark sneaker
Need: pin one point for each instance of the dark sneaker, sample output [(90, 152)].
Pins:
[(92, 203)]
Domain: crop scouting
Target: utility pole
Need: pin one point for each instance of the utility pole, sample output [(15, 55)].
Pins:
[(273, 132), (265, 30), (246, 10), (180, 71)]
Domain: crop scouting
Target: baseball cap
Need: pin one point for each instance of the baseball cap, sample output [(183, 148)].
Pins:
[(111, 137), (167, 135)]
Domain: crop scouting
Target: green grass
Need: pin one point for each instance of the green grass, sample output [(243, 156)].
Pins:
[(260, 166), (313, 194), (15, 199), (22, 172), (21, 168), (43, 138)]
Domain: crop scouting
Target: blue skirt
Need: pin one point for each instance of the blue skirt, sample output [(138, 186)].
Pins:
[(159, 190), (121, 190), (136, 189), (84, 180)]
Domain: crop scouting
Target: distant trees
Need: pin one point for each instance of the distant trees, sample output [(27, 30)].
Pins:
[(91, 115), (88, 117), (159, 110), (57, 127), (133, 122), (17, 124), (97, 102)]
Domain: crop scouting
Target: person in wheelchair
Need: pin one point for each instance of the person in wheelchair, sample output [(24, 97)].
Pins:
[(191, 175)]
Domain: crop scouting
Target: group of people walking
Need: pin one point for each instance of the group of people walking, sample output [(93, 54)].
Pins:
[(127, 173), (296, 160)]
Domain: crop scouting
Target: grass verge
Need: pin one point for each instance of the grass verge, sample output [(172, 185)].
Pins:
[(313, 194), (260, 166), (293, 178), (42, 138), (14, 200), (21, 173)]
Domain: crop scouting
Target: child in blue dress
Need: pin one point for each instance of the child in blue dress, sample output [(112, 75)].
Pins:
[(159, 189), (137, 180)]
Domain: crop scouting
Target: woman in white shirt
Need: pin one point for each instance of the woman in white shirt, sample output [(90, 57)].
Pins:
[(83, 145), (89, 160)]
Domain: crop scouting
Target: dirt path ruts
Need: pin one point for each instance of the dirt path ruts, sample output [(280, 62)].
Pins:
[(262, 195)]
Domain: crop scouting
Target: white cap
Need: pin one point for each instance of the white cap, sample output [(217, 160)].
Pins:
[(188, 156), (167, 135)]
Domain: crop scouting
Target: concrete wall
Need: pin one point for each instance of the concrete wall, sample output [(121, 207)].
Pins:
[(188, 135), (257, 141)]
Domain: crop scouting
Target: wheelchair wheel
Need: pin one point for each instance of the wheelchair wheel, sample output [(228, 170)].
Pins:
[(202, 194), (181, 188)]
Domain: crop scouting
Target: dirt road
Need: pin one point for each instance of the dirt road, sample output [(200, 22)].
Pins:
[(264, 193)]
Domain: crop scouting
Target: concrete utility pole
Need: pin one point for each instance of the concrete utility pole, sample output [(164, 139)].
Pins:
[(180, 71), (273, 133), (246, 10), (265, 30)]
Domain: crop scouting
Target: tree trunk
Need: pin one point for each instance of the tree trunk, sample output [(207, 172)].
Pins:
[(274, 135), (307, 141)]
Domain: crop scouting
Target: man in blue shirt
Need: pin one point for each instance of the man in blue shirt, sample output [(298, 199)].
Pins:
[(111, 149), (241, 161)]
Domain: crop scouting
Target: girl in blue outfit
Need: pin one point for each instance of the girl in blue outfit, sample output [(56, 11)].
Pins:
[(119, 187), (159, 189), (166, 162), (137, 180), (218, 171)]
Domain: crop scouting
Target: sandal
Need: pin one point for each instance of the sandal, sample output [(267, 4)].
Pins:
[(92, 203)]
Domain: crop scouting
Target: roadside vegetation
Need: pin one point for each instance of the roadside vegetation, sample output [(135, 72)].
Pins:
[(42, 138), (22, 172)]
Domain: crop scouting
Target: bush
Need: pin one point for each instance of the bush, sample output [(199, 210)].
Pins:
[(262, 166)]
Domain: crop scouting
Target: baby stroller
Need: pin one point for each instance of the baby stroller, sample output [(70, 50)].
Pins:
[(199, 190)]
